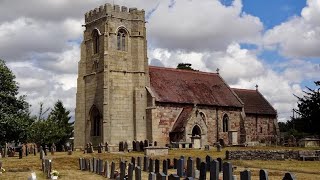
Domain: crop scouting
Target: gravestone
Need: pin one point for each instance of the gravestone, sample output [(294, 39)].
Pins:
[(165, 167), (197, 174), (157, 166), (173, 177), (220, 164), (145, 163), (245, 175), (189, 178), (121, 146), (0, 164), (80, 164), (263, 174), (155, 143), (138, 147), (34, 150), (134, 148), (198, 162), (112, 172), (190, 165), (161, 176), (133, 161), (219, 147), (139, 161), (45, 150), (101, 167), (130, 171), (214, 169), (203, 171), (146, 143), (91, 165), (180, 168), (69, 152), (141, 146), (63, 149), (125, 146), (97, 163), (151, 165), (5, 150), (289, 176), (137, 173), (122, 170), (175, 163), (208, 160), (106, 169), (227, 171), (53, 149), (42, 154), (152, 176)]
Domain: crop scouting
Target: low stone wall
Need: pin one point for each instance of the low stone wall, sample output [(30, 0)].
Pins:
[(262, 155)]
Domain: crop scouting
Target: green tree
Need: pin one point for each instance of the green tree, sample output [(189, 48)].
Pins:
[(185, 66), (61, 117), (14, 110), (308, 112)]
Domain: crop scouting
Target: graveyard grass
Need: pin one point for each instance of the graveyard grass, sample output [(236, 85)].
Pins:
[(68, 167)]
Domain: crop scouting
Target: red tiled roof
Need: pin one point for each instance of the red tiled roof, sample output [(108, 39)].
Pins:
[(180, 123), (254, 102), (191, 87)]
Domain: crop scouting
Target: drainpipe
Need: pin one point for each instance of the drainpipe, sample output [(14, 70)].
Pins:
[(217, 123)]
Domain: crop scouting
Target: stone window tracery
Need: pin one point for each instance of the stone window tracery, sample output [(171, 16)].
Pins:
[(121, 40), (96, 41), (225, 123)]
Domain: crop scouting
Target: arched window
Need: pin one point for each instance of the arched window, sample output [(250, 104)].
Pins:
[(196, 131), (96, 122), (225, 123), (95, 38), (121, 40)]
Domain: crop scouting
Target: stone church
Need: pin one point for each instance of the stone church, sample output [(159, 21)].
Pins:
[(121, 98)]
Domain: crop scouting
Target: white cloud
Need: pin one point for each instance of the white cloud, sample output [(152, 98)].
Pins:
[(300, 36)]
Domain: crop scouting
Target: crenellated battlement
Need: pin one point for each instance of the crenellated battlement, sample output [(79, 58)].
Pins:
[(114, 10)]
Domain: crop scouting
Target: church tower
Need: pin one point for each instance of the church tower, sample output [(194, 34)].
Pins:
[(112, 77)]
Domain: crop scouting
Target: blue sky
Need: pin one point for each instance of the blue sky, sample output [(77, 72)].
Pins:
[(272, 43)]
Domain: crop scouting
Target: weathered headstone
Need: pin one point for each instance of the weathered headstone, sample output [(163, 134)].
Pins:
[(100, 170), (157, 166), (133, 161), (214, 170), (69, 152), (155, 143), (112, 172), (219, 147), (173, 177), (80, 163), (161, 176), (208, 160), (227, 171), (45, 150), (53, 149), (151, 165), (289, 176), (106, 169), (141, 146), (125, 146), (245, 175), (152, 176), (122, 170), (146, 143), (134, 148), (145, 163), (180, 168), (91, 165), (137, 173), (63, 148), (121, 146), (198, 162), (220, 164), (165, 167), (203, 171), (42, 154), (190, 165), (138, 148), (130, 171), (100, 148), (5, 150), (263, 174), (34, 150), (97, 166), (175, 163), (139, 161)]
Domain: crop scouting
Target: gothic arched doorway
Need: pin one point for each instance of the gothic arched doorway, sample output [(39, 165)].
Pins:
[(196, 137), (96, 130), (196, 131)]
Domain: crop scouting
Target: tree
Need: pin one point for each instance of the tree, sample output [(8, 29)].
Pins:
[(14, 110), (61, 117), (308, 112), (185, 66)]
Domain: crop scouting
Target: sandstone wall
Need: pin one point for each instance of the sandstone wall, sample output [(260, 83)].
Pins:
[(259, 128), (262, 155)]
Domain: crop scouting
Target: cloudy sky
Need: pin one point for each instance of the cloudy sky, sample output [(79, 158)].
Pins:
[(273, 43)]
